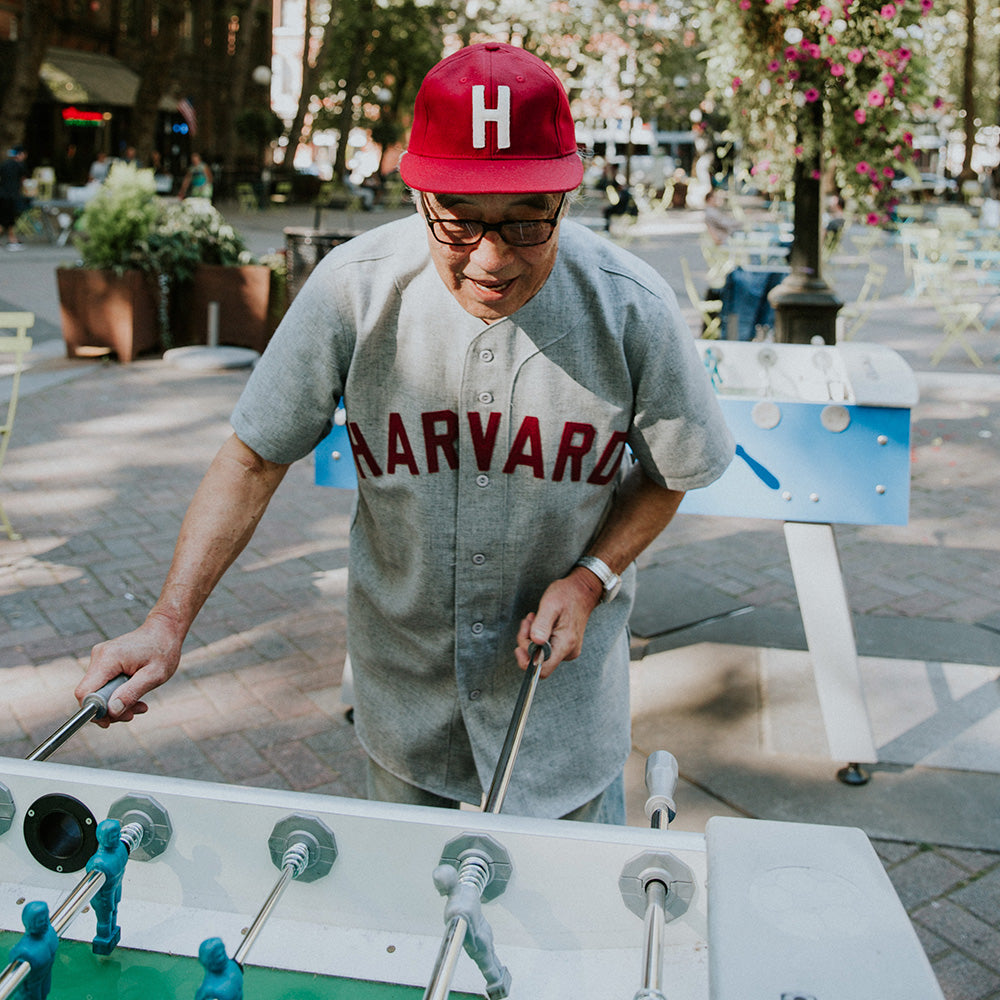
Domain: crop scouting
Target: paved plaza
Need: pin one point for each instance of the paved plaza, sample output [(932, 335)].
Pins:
[(104, 458)]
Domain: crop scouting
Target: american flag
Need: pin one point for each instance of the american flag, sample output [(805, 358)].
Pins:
[(186, 108)]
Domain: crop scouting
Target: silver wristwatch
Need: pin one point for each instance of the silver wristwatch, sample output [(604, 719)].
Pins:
[(609, 580)]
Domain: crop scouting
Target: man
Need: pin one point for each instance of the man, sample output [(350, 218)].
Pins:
[(495, 360), (12, 201)]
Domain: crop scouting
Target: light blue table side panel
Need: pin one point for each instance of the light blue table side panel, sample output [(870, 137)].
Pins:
[(800, 471)]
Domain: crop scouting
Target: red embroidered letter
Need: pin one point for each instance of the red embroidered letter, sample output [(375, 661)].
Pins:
[(573, 453), (360, 449), (484, 441), (444, 440), (610, 459), (399, 450), (527, 449)]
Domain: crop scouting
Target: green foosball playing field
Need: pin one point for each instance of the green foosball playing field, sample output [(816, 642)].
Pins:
[(79, 974)]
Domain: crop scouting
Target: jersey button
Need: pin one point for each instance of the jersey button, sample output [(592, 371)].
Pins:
[(478, 628), (486, 397), (478, 559), (474, 695), (482, 479), (486, 356)]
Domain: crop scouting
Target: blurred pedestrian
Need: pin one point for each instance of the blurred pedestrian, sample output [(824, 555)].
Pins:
[(12, 202), (99, 169), (197, 181)]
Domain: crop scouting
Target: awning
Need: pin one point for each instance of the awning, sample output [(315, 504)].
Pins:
[(73, 77)]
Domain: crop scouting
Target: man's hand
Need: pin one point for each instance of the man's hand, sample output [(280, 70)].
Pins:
[(149, 656), (560, 620)]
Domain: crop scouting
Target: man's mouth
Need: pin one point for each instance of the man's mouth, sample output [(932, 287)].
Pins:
[(491, 287)]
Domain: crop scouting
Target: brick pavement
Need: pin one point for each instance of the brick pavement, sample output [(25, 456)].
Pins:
[(102, 464)]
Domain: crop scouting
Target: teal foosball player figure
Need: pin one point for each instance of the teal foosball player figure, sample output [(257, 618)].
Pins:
[(37, 947), (223, 977), (109, 858)]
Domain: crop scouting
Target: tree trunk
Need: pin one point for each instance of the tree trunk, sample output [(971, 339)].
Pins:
[(37, 30), (312, 73), (156, 76), (239, 75), (355, 74), (969, 90)]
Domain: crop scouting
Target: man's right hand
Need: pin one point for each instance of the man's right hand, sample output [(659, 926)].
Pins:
[(149, 656)]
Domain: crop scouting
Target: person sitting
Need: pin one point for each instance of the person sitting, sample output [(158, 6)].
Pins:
[(620, 200), (719, 223)]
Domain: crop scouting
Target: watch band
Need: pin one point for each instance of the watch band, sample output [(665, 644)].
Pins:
[(609, 579)]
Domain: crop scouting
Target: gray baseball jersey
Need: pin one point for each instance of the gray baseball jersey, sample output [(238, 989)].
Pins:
[(488, 456)]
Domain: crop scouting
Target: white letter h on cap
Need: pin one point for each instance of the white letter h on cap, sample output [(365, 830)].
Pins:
[(481, 115)]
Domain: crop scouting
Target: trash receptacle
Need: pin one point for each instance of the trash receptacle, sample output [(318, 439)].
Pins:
[(304, 249)]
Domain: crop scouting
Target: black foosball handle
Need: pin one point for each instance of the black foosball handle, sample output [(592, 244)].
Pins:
[(537, 655), (94, 706)]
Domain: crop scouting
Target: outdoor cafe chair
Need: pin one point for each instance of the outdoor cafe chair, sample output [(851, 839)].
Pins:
[(13, 350)]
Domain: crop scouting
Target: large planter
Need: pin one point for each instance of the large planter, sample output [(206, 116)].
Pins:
[(103, 312), (244, 297)]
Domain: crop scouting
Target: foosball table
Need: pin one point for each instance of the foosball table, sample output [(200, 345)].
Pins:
[(350, 899)]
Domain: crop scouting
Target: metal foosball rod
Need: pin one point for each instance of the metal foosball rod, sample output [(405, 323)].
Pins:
[(131, 835), (95, 706), (468, 928), (293, 864), (657, 886), (661, 782), (302, 848)]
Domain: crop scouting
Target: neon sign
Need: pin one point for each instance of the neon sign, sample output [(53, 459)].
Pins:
[(74, 116)]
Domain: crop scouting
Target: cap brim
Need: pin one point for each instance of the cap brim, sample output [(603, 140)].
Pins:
[(469, 176)]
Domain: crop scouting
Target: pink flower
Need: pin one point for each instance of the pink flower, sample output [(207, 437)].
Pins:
[(744, 4), (790, 4), (888, 11), (812, 95), (926, 5), (860, 116), (798, 150), (888, 172), (855, 56), (825, 15), (793, 76), (774, 65), (791, 54), (862, 168), (872, 218), (737, 81), (837, 69), (875, 99), (815, 175)]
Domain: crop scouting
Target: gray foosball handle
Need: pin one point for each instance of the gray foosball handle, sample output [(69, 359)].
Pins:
[(661, 783), (94, 706)]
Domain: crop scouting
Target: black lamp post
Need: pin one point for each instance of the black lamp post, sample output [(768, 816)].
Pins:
[(805, 306)]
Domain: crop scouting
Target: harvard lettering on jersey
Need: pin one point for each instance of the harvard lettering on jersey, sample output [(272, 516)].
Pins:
[(434, 437)]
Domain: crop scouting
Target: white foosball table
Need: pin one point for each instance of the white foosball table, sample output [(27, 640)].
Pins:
[(752, 909)]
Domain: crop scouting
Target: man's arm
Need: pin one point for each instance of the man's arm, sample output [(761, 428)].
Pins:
[(221, 519), (641, 511)]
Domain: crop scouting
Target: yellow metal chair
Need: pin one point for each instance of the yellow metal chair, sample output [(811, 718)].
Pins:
[(13, 349), (247, 197), (710, 310), (935, 281), (854, 314)]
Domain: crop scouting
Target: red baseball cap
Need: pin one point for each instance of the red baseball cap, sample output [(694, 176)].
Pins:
[(491, 119)]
